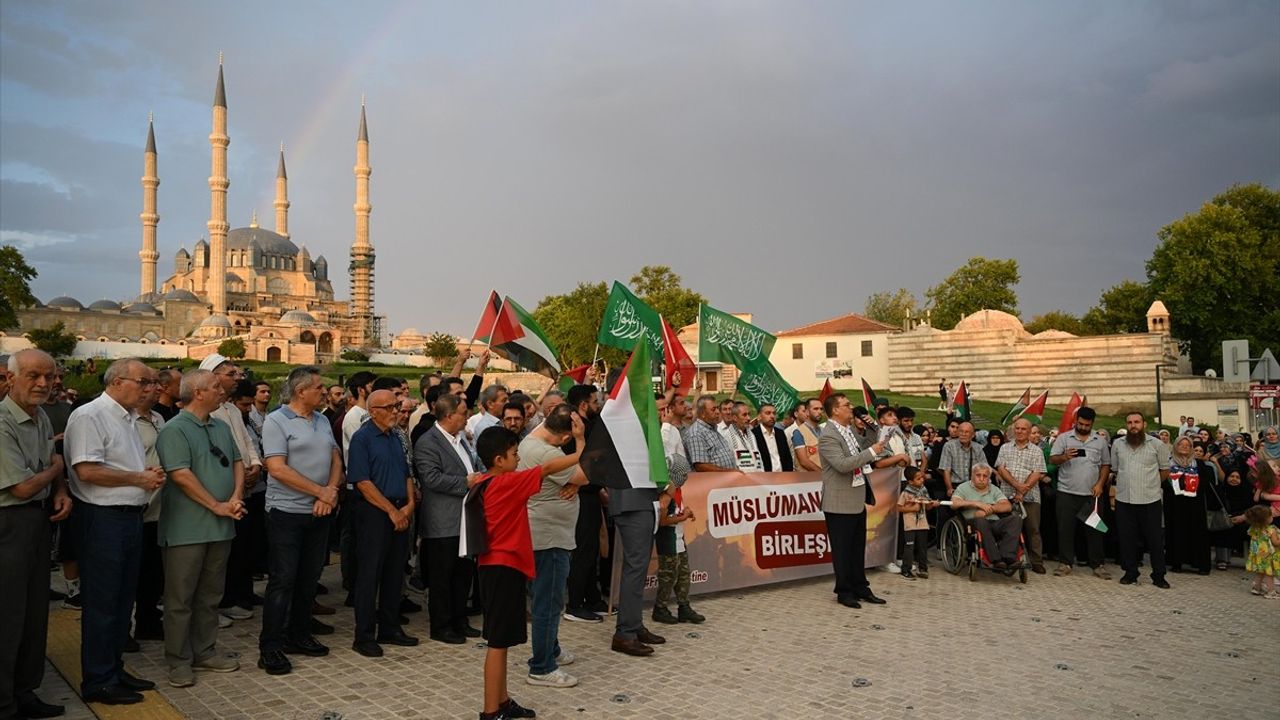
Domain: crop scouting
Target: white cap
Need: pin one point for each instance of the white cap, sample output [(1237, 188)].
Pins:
[(213, 361)]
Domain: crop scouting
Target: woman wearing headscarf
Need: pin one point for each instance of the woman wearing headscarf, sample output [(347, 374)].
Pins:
[(994, 440), (1269, 447), (1186, 533), (1235, 494)]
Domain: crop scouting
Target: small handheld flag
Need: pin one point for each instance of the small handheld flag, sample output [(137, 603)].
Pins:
[(827, 390), (1089, 516), (962, 411), (1016, 409)]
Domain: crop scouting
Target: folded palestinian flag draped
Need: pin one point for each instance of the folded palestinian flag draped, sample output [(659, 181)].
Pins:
[(726, 339), (624, 446), (1089, 516), (765, 386), (1016, 409), (961, 410), (677, 359), (518, 338), (626, 319), (1035, 411)]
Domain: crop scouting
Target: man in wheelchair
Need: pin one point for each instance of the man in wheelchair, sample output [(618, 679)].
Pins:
[(985, 508)]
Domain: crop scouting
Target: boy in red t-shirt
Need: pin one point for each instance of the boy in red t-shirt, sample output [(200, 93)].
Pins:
[(507, 565)]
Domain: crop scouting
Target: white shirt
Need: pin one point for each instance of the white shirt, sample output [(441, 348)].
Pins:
[(351, 422), (771, 445), (456, 442), (477, 424), (672, 444), (103, 432), (230, 414)]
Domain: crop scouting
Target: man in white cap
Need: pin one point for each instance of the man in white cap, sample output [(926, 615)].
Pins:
[(228, 374)]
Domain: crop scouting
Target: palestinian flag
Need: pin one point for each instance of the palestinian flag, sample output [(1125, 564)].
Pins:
[(518, 338), (676, 358), (1016, 410), (1035, 411), (488, 318), (961, 410), (827, 390), (624, 446), (869, 398), (1069, 414), (569, 378), (1089, 516)]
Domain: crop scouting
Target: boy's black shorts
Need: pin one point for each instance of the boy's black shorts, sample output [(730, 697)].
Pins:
[(502, 592)]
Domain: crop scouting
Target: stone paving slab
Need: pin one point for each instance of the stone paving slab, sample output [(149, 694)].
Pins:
[(943, 647)]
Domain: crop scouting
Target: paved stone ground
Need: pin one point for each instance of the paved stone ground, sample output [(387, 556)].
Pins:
[(1054, 648)]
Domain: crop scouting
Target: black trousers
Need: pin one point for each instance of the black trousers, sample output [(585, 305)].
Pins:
[(584, 563), (1136, 523), (250, 542), (110, 555), (448, 584), (915, 546), (848, 534), (24, 602), (1066, 508), (299, 546), (146, 613), (1186, 532), (381, 553)]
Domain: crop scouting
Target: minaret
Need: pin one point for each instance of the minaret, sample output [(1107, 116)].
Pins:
[(150, 182), (361, 251), (216, 287), (282, 198)]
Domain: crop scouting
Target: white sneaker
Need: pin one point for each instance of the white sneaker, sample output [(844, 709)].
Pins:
[(224, 622), (556, 678), (565, 658), (893, 568), (235, 612)]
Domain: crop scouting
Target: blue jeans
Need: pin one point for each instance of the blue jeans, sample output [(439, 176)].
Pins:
[(552, 571), (110, 556)]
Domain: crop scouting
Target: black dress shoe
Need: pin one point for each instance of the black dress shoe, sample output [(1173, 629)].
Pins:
[(513, 709), (368, 648), (275, 663), (114, 695), (871, 598), (1161, 583), (1128, 579), (849, 601), (131, 645), (450, 637), (630, 646), (319, 628), (34, 707), (307, 646), (649, 638), (135, 683), (399, 638)]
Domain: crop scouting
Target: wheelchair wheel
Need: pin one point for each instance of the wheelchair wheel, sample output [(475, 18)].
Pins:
[(952, 546), (1022, 575)]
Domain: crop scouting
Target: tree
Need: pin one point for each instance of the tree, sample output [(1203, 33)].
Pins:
[(353, 356), (441, 348), (979, 284), (232, 348), (1056, 320), (1121, 309), (1216, 271), (664, 291), (54, 340), (572, 321), (891, 308), (15, 289)]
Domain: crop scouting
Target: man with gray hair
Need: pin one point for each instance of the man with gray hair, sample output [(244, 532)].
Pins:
[(30, 485), (492, 399), (982, 504), (111, 481), (202, 501)]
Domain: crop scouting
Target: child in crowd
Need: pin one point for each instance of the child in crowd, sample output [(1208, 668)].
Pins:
[(1264, 551), (1266, 488), (912, 506), (506, 564), (673, 557)]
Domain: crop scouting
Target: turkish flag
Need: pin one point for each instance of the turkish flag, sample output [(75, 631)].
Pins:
[(826, 391), (1069, 415), (676, 359)]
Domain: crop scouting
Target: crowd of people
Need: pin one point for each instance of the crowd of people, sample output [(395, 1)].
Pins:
[(171, 493)]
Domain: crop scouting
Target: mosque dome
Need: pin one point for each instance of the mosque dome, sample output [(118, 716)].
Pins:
[(267, 241), (216, 321), (105, 305), (180, 295), (65, 302), (151, 297), (297, 317), (141, 308), (991, 320), (410, 331)]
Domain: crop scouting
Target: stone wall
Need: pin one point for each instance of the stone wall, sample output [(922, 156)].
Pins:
[(1115, 371)]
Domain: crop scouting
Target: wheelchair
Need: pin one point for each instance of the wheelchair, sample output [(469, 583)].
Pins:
[(960, 544)]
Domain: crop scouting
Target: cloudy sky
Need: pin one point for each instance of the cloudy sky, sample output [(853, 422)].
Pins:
[(786, 158)]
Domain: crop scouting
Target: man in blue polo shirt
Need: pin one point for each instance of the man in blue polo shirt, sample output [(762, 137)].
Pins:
[(377, 467)]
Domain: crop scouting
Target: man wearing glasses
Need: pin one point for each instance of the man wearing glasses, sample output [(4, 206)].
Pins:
[(228, 374), (202, 501), (111, 482)]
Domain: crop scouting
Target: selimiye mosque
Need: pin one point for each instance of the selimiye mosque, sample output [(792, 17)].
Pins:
[(250, 283)]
